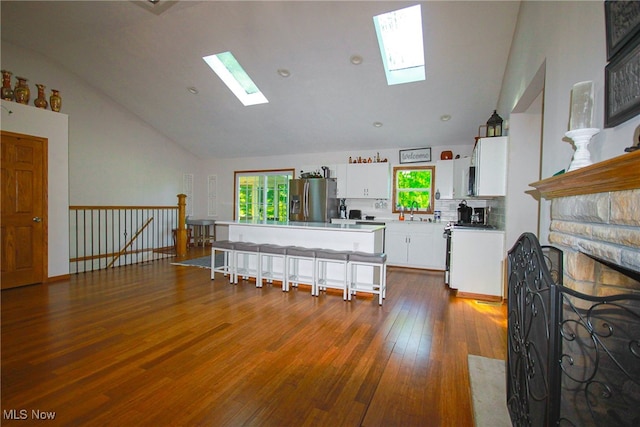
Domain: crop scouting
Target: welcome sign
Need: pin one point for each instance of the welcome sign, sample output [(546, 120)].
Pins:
[(416, 155)]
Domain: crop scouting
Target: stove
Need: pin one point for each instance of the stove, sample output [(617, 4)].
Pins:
[(474, 225)]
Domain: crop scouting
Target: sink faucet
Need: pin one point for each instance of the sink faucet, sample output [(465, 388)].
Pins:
[(414, 205)]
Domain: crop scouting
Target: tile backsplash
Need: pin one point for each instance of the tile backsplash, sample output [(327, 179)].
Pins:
[(382, 209)]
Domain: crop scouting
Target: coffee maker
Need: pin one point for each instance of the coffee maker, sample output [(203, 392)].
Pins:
[(464, 213), (342, 209)]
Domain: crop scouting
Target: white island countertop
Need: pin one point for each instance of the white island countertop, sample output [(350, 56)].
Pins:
[(355, 237), (361, 228)]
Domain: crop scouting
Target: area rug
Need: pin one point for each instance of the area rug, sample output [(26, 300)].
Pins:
[(203, 262), (488, 391)]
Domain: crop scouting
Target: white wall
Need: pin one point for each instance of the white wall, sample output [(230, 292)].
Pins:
[(114, 157), (570, 37), (111, 157), (53, 126), (522, 207)]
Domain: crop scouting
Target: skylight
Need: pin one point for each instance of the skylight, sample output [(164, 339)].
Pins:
[(237, 80), (401, 47)]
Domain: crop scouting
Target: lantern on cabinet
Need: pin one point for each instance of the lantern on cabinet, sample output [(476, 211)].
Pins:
[(494, 125)]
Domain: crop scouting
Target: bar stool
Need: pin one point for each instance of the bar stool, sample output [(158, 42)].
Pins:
[(295, 255), (324, 257), (247, 251), (227, 248), (267, 254), (378, 284), (174, 234)]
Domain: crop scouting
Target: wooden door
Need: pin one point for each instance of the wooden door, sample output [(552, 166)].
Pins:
[(24, 210)]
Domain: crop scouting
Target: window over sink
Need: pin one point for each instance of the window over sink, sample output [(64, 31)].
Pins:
[(413, 187)]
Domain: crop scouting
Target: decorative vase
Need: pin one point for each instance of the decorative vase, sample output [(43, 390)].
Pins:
[(581, 138), (7, 92), (40, 101), (55, 101), (21, 91)]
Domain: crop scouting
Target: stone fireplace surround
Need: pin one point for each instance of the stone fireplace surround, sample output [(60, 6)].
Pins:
[(574, 349), (595, 213)]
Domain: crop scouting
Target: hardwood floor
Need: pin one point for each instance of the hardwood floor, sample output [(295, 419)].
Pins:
[(157, 344)]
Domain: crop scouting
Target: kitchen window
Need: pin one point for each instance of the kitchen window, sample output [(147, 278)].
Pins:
[(413, 187), (262, 195)]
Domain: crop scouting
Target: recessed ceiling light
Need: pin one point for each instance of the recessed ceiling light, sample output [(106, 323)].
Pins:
[(192, 90), (283, 72), (377, 124), (445, 117), (356, 59)]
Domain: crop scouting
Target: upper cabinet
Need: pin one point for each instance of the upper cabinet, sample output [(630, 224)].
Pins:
[(367, 181), (452, 178), (461, 177), (489, 164), (358, 180), (341, 178), (444, 178)]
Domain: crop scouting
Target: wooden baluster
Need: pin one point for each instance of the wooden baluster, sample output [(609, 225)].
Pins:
[(181, 238)]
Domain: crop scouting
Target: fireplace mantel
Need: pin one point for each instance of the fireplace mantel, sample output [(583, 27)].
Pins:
[(616, 174)]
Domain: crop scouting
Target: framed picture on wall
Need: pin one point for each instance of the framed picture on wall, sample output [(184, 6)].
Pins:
[(622, 91), (622, 20)]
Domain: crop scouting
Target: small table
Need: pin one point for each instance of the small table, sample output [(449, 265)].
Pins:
[(203, 230)]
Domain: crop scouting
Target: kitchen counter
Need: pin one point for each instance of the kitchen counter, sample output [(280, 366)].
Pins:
[(477, 262), (346, 237), (361, 228), (353, 237)]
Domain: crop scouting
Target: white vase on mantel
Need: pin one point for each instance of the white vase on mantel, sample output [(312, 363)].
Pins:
[(581, 138)]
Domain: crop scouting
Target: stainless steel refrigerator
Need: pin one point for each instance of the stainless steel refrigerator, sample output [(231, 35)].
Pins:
[(313, 199)]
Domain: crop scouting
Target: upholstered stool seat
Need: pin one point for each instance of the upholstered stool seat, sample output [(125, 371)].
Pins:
[(247, 260), (296, 255), (269, 253), (378, 263), (326, 257)]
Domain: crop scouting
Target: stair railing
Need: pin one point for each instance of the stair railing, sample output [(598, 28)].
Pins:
[(112, 236)]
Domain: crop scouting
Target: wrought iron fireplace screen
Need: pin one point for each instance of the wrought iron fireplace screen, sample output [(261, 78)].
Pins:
[(573, 359)]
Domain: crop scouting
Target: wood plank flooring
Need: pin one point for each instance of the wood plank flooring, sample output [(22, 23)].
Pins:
[(158, 345)]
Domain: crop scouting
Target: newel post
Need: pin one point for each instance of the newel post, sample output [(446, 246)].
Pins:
[(181, 233)]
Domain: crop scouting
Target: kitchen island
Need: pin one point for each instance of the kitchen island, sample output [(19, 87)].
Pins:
[(345, 237), (350, 237)]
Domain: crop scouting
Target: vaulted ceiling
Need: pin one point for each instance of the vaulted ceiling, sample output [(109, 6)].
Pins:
[(145, 57)]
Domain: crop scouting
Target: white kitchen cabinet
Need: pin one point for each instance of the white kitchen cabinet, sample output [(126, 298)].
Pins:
[(452, 178), (477, 263), (339, 172), (444, 178), (415, 244), (490, 161), (461, 177), (367, 181)]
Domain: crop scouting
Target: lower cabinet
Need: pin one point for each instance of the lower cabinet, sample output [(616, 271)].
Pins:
[(477, 263), (415, 244)]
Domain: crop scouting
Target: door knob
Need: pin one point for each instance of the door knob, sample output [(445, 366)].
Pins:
[(37, 219)]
